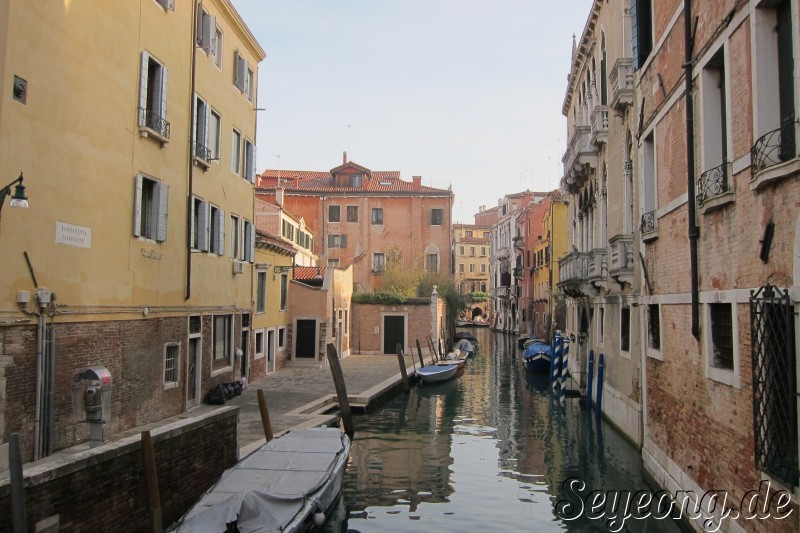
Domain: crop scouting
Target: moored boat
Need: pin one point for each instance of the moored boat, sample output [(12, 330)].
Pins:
[(285, 485), (536, 356), (436, 372)]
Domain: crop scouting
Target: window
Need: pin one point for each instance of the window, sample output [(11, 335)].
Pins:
[(377, 215), (352, 213), (356, 179), (625, 329), (214, 122), (653, 327), (378, 262), (249, 231), (337, 241), (471, 268), (436, 217), (461, 268), (461, 250), (284, 290), (150, 209), (333, 263), (236, 239), (601, 325), (259, 344), (153, 96), (483, 287), (483, 268), (206, 31), (472, 251), (432, 263), (223, 339), (721, 336), (199, 225), (236, 151), (167, 4), (200, 130), (171, 352), (249, 170), (216, 49), (648, 185), (483, 251), (641, 31), (468, 233), (281, 337), (216, 232), (333, 213), (249, 85), (715, 130), (242, 75), (261, 291), (486, 235)]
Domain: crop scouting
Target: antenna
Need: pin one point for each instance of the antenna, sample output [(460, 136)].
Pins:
[(279, 168), (348, 142)]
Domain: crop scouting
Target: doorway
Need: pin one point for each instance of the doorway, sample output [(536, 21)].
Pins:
[(394, 332), (306, 339), (270, 351), (245, 353), (194, 364)]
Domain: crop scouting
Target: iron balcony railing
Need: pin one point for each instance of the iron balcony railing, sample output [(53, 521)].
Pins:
[(202, 152), (519, 272), (152, 120), (648, 223), (712, 183), (773, 148)]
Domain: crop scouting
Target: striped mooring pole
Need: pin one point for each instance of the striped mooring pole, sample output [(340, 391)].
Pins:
[(556, 360), (598, 406), (589, 378), (564, 364)]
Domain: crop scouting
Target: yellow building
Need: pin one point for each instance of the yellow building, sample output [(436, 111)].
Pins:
[(552, 245), (471, 264), (134, 125)]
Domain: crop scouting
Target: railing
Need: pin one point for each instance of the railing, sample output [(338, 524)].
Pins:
[(574, 267), (621, 82), (519, 242), (519, 272), (712, 182), (621, 254), (648, 223), (152, 120), (598, 263), (599, 124), (773, 148), (202, 152), (581, 152)]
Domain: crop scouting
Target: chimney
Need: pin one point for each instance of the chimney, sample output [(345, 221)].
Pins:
[(279, 196), (344, 157), (417, 185)]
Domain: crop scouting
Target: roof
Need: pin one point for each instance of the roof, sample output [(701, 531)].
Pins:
[(580, 54), (302, 273), (264, 240), (316, 181)]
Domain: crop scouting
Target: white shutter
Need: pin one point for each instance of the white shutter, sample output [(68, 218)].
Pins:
[(240, 71), (192, 222), (171, 5), (198, 25), (252, 248), (194, 124), (209, 31), (163, 95), (163, 202), (220, 232), (143, 88), (202, 227), (252, 168), (137, 207), (236, 69)]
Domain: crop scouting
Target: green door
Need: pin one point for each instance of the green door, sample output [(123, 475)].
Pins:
[(394, 329)]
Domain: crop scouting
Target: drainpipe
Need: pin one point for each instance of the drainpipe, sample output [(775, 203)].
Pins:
[(40, 386), (188, 293), (694, 231)]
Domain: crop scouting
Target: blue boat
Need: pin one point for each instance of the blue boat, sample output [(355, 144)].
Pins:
[(536, 357)]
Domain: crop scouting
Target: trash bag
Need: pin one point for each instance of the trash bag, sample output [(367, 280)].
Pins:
[(216, 395)]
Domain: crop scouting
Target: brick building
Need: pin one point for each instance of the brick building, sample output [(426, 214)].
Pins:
[(547, 247), (528, 231), (362, 217), (471, 265)]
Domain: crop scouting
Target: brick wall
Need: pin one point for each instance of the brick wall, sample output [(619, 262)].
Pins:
[(190, 456), (367, 317)]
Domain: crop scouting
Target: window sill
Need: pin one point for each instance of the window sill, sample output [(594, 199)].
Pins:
[(258, 356), (156, 136), (724, 376), (775, 173), (625, 355), (716, 202), (223, 370), (202, 163), (655, 354), (171, 385), (650, 236)]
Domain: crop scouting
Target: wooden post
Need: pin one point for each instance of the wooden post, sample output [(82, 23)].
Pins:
[(18, 518), (432, 348), (419, 352), (402, 361), (265, 421), (341, 390), (151, 478)]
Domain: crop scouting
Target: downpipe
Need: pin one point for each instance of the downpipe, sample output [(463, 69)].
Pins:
[(694, 231)]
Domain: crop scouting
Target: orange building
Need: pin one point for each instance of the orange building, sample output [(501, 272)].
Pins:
[(360, 216)]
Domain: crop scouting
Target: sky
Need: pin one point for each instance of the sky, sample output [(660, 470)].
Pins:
[(465, 93)]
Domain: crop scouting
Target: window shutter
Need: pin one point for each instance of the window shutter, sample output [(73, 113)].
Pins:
[(192, 223), (236, 69), (344, 241), (251, 249), (194, 124), (137, 207), (209, 31), (202, 227), (163, 94), (241, 72), (220, 231), (198, 25), (331, 241), (171, 5), (635, 33), (163, 202), (252, 175), (143, 88)]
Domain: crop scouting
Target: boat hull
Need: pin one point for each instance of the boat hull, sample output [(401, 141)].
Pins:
[(536, 357), (435, 373)]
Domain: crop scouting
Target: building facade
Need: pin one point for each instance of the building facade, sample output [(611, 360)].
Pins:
[(137, 258), (276, 221), (471, 245), (528, 231), (549, 308), (364, 217), (720, 244)]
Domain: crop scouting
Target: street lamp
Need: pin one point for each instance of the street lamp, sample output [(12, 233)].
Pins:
[(18, 199)]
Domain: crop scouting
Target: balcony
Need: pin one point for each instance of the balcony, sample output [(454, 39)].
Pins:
[(713, 189), (771, 153), (519, 242), (598, 267), (151, 124), (649, 226), (202, 155), (580, 160), (519, 272), (599, 125), (620, 82), (621, 258), (573, 271)]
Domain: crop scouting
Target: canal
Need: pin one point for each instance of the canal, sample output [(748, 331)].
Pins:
[(487, 451)]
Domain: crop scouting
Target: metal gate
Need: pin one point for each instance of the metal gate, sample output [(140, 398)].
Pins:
[(774, 383)]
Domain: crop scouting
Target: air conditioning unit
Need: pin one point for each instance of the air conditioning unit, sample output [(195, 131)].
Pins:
[(238, 267)]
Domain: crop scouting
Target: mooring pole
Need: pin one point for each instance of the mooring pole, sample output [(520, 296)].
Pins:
[(151, 478), (600, 364), (419, 353), (265, 421), (589, 378), (18, 518), (402, 360), (341, 390)]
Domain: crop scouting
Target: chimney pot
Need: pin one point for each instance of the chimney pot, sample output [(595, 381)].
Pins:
[(417, 183)]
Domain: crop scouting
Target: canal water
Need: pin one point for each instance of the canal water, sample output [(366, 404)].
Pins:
[(488, 451)]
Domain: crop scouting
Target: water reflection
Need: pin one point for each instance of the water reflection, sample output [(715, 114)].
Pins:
[(488, 450)]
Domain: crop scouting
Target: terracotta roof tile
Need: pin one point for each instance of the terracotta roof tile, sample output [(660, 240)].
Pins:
[(302, 273), (313, 181)]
